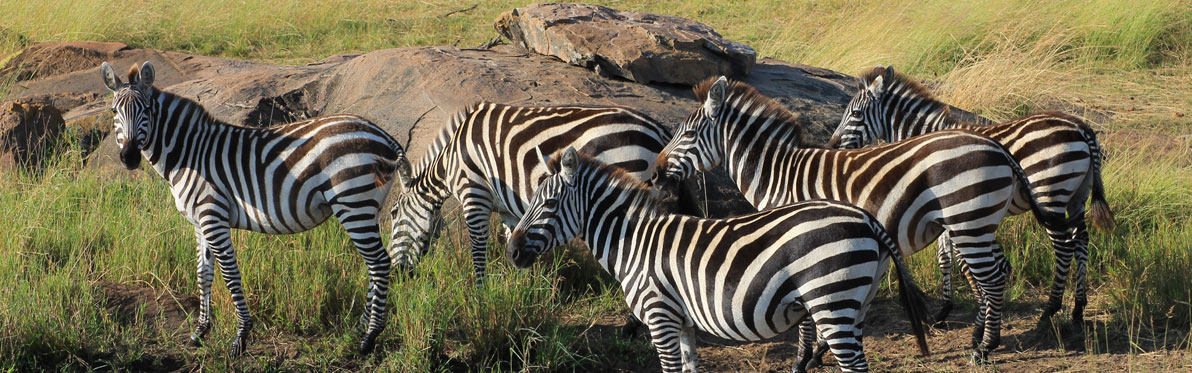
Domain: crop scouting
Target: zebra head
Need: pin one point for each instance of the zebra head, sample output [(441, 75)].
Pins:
[(131, 107), (416, 222), (697, 146), (862, 118), (553, 217)]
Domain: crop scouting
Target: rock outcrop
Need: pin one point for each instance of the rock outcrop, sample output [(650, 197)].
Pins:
[(642, 47), (411, 91), (29, 133)]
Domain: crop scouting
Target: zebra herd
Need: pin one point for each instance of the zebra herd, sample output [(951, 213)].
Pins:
[(813, 256)]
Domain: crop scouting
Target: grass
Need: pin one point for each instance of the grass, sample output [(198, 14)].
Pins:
[(1124, 65)]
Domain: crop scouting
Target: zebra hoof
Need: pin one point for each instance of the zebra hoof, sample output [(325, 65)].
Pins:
[(368, 344), (1078, 316), (239, 345), (632, 324), (980, 358), (1049, 311), (195, 341)]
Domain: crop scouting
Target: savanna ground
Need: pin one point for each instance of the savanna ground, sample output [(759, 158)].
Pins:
[(97, 272)]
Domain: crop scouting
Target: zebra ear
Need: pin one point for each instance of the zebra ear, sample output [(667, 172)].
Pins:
[(145, 79), (715, 99), (568, 164), (877, 87), (109, 77)]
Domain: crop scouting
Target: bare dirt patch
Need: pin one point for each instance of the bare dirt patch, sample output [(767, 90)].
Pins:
[(1027, 346)]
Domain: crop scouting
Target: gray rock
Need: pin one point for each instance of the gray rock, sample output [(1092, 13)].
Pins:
[(642, 47)]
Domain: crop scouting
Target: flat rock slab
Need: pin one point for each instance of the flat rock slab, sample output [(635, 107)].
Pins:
[(642, 47)]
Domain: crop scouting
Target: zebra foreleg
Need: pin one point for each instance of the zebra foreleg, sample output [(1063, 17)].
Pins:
[(666, 335), (219, 240), (477, 212), (205, 275), (361, 224)]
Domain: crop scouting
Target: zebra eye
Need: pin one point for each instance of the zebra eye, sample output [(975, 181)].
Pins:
[(689, 133)]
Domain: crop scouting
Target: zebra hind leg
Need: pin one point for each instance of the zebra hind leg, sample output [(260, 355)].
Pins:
[(1063, 244), (1080, 236), (361, 224), (945, 260), (808, 357)]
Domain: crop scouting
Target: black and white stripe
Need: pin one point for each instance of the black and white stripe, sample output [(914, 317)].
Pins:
[(917, 189), (282, 179), (1059, 153), (744, 278), (489, 156)]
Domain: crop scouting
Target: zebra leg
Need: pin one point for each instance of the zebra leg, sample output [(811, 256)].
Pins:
[(666, 334), (206, 274), (219, 240), (809, 358), (361, 224), (944, 258), (844, 339), (477, 212), (1063, 243), (1080, 237), (989, 269), (687, 347)]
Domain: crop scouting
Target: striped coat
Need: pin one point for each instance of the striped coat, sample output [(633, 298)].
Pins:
[(282, 179), (917, 189), (489, 157), (1059, 153), (745, 278)]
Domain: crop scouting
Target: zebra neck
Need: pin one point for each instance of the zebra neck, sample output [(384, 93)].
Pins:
[(181, 127), (919, 116), (753, 148), (617, 233)]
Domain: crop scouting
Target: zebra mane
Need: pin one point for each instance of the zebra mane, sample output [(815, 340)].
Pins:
[(740, 92), (436, 147), (640, 192), (913, 88)]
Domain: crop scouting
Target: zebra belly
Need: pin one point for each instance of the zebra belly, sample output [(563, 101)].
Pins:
[(299, 219)]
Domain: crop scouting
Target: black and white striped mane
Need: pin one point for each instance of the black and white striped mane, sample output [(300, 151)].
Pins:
[(909, 88), (740, 93), (645, 200)]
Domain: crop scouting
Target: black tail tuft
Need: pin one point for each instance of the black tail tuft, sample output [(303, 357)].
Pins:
[(914, 301)]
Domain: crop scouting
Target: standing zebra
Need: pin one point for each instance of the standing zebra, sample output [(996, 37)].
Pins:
[(489, 156), (744, 278), (1059, 152), (282, 179), (955, 181)]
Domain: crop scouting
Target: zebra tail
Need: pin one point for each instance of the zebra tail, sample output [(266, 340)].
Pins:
[(914, 301), (1099, 211)]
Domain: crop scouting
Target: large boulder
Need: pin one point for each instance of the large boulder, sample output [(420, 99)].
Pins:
[(411, 91), (642, 47), (29, 132)]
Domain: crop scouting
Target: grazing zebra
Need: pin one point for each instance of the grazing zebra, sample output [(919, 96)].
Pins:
[(955, 181), (744, 278), (282, 179), (489, 156), (1059, 152)]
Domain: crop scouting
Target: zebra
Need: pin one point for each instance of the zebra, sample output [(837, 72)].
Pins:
[(954, 181), (744, 278), (488, 156), (282, 179), (1059, 152)]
